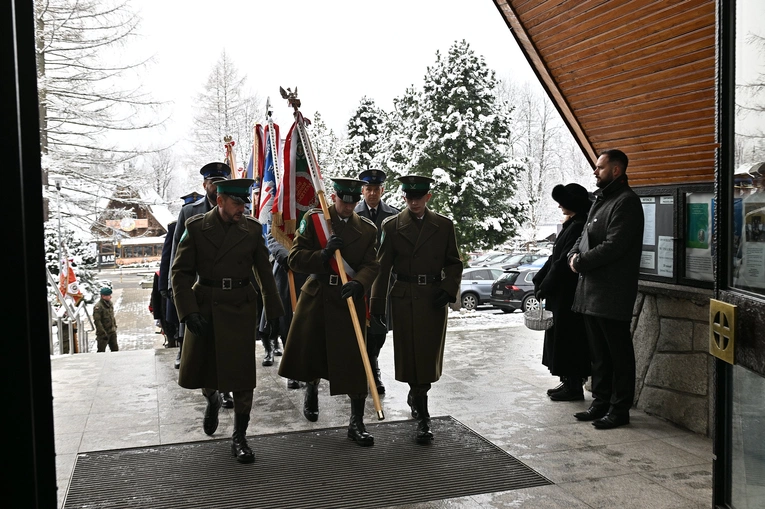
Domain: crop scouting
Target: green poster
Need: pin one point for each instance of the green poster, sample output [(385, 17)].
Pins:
[(697, 233)]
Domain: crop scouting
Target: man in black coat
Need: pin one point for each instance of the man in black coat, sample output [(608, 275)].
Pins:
[(565, 351), (376, 210), (607, 259)]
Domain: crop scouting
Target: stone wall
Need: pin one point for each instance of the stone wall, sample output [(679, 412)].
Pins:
[(670, 332)]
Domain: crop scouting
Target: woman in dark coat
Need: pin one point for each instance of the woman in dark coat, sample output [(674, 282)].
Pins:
[(566, 351)]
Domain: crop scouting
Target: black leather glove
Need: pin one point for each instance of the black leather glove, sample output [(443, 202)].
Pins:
[(441, 299), (197, 324), (272, 328), (352, 289), (377, 325), (333, 244)]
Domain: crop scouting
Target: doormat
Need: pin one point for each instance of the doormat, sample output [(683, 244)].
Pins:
[(317, 469)]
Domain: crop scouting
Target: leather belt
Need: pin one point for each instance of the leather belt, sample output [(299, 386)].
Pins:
[(330, 279), (225, 283), (420, 279)]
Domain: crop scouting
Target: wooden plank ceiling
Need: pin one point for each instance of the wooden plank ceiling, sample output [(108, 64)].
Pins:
[(638, 75)]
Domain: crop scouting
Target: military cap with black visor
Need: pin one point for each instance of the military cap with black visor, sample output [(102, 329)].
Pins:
[(236, 189), (191, 197), (348, 189), (215, 171), (415, 186)]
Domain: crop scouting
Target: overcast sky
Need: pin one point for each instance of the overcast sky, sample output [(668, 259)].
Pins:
[(334, 51)]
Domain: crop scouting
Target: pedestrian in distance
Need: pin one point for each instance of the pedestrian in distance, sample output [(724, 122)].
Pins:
[(420, 248), (607, 259), (566, 351), (217, 301), (322, 342), (376, 210), (106, 325)]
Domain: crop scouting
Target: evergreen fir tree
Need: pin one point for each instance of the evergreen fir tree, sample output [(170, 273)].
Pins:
[(461, 133), (83, 256), (364, 144)]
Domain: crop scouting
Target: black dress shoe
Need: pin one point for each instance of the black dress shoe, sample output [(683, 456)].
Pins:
[(292, 384), (557, 388), (611, 421), (228, 400), (590, 414)]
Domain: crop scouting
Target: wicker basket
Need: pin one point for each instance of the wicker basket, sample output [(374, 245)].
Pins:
[(538, 319)]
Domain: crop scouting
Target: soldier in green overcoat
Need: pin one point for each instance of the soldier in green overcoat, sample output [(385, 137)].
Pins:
[(322, 342), (106, 325), (211, 280), (420, 248)]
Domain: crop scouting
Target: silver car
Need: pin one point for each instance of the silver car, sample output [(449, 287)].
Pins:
[(476, 285)]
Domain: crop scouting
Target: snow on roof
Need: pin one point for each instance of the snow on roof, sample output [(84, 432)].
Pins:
[(157, 206)]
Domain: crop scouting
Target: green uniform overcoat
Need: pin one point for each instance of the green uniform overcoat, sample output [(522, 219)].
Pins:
[(419, 329), (209, 250), (322, 342)]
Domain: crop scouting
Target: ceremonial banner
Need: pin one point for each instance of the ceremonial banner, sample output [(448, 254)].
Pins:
[(296, 194), (267, 179), (67, 283)]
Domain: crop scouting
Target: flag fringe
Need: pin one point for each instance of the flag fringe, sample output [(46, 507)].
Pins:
[(281, 237), (277, 219)]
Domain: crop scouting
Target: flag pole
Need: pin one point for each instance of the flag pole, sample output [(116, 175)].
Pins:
[(229, 141), (255, 196), (313, 166)]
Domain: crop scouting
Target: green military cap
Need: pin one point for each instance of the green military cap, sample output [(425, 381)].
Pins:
[(415, 185), (349, 190), (238, 189), (106, 290)]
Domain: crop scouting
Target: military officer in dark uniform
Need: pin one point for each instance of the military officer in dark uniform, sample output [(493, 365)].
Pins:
[(373, 207), (322, 342), (216, 300), (420, 247), (212, 173), (170, 315)]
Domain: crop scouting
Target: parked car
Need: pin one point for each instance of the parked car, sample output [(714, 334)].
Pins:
[(515, 290), (536, 264), (518, 259), (486, 259), (476, 285)]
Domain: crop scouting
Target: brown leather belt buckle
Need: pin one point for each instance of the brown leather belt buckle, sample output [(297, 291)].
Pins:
[(226, 283)]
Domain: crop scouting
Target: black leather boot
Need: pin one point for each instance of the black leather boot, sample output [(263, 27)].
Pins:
[(277, 349), (268, 344), (311, 402), (412, 407), (424, 435), (210, 422), (356, 429), (239, 447), (571, 392), (376, 374), (559, 387)]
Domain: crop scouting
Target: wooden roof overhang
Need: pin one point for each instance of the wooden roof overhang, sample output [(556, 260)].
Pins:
[(637, 75)]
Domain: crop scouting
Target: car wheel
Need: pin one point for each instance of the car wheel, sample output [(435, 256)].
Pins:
[(469, 301), (530, 303)]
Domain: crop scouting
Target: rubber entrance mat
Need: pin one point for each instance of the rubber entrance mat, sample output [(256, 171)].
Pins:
[(307, 469)]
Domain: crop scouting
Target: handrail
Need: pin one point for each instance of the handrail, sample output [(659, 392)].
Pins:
[(75, 315)]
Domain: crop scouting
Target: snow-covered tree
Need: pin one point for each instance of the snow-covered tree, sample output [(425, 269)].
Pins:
[(225, 108), (364, 144), (461, 134), (325, 144), (83, 86)]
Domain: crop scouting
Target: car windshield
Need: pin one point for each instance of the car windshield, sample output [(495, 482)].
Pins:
[(514, 259)]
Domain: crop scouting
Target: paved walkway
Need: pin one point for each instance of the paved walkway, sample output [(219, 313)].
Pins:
[(493, 382)]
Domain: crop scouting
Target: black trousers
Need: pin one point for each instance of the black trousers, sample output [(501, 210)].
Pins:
[(613, 364)]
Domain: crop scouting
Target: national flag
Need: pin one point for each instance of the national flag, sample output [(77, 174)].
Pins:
[(296, 194), (67, 283), (267, 179)]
